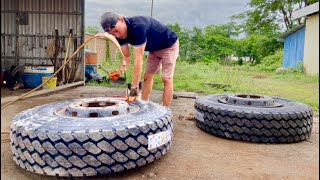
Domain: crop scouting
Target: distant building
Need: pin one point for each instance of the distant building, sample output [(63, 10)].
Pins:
[(301, 44), (232, 57), (99, 46), (293, 46)]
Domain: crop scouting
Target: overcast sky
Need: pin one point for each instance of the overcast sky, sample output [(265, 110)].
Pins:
[(187, 13)]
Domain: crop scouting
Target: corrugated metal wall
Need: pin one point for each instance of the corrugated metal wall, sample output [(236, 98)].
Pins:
[(294, 49), (28, 27)]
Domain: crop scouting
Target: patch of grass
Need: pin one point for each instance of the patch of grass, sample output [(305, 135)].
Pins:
[(242, 79), (247, 79)]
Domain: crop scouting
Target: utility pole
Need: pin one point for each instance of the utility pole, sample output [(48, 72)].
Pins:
[(151, 7)]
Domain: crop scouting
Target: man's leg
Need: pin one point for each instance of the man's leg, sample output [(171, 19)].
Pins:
[(169, 57), (152, 67), (167, 91), (147, 86)]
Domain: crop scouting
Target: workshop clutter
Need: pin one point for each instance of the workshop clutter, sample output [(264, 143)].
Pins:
[(91, 62), (91, 67), (2, 78), (32, 75), (91, 58), (52, 83), (58, 50)]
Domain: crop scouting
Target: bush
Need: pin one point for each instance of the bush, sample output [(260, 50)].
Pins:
[(299, 68), (240, 62), (272, 62)]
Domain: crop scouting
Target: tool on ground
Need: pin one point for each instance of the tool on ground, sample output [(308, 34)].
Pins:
[(114, 76), (102, 68), (183, 96)]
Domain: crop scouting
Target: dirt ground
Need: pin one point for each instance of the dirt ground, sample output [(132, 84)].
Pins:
[(194, 153)]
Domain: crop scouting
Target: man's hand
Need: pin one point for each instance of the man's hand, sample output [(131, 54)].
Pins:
[(133, 93)]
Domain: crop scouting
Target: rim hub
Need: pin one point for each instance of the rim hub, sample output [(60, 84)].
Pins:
[(97, 107), (249, 100)]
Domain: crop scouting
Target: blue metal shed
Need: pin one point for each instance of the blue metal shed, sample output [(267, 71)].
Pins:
[(293, 46)]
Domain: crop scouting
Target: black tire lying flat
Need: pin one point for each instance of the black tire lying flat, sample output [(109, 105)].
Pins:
[(45, 142), (290, 123)]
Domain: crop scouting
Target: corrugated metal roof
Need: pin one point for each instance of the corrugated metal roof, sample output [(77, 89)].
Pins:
[(291, 31), (311, 9)]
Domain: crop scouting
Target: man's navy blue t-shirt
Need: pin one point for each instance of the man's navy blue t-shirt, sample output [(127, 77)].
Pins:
[(143, 29)]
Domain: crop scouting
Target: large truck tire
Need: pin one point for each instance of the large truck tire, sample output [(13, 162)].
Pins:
[(89, 137), (254, 118)]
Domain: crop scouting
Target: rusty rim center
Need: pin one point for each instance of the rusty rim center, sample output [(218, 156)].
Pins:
[(97, 107)]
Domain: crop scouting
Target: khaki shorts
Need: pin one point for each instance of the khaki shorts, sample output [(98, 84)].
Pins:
[(165, 57)]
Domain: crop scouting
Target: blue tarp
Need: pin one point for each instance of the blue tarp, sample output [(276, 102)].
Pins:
[(294, 49)]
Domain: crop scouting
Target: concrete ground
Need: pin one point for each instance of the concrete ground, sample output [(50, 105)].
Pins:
[(194, 154)]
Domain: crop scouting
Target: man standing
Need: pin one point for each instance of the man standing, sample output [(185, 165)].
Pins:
[(145, 34)]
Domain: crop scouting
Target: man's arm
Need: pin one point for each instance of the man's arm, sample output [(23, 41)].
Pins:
[(126, 52), (138, 61)]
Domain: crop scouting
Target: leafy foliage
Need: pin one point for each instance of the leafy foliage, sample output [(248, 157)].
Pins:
[(209, 44), (271, 16), (272, 62), (257, 47), (92, 29), (218, 43)]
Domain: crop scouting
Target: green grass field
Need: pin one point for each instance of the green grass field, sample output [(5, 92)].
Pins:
[(237, 79)]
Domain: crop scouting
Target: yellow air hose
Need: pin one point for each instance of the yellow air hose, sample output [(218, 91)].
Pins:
[(103, 35)]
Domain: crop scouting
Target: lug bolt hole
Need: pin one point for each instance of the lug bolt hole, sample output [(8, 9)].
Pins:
[(115, 113), (93, 115), (74, 114)]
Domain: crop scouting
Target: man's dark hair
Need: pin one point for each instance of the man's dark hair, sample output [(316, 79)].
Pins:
[(109, 20)]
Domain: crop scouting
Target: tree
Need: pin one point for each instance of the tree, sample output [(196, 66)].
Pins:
[(183, 36), (92, 29), (257, 47), (271, 16), (218, 41), (191, 43), (230, 30), (196, 45), (209, 44)]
